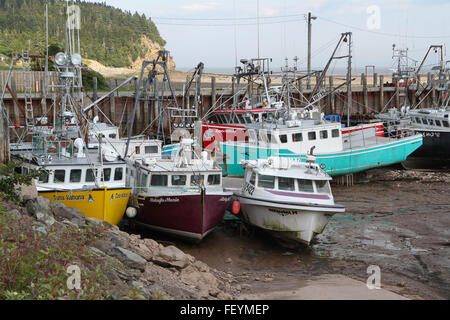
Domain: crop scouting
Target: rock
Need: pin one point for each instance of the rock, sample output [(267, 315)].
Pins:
[(94, 221), (224, 296), (202, 267), (45, 218), (143, 251), (15, 214), (73, 215), (117, 238), (229, 260), (40, 209), (130, 259), (205, 282), (268, 279), (104, 246), (39, 227), (171, 257)]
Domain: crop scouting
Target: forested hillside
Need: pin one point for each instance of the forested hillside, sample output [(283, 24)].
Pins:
[(108, 35)]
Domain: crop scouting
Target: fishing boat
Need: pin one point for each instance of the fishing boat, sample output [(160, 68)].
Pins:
[(357, 150), (182, 196), (290, 199), (432, 123), (91, 182)]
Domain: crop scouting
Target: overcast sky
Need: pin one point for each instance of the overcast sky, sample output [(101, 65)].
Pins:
[(414, 24)]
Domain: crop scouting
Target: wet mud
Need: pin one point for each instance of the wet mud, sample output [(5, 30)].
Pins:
[(399, 222)]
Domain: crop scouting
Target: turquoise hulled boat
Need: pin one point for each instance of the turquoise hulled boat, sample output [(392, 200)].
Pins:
[(359, 149)]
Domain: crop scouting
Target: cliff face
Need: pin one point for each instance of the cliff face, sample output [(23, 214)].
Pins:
[(151, 53)]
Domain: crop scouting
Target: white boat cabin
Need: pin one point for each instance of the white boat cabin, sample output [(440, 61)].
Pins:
[(283, 178), (300, 139)]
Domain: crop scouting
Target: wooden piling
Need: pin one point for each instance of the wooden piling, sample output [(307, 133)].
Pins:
[(365, 95), (381, 93), (213, 91), (4, 136)]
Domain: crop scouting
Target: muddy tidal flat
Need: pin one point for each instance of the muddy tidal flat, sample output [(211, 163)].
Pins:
[(397, 220)]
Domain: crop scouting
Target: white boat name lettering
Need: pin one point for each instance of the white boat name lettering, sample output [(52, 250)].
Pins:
[(164, 200), (225, 199), (68, 198)]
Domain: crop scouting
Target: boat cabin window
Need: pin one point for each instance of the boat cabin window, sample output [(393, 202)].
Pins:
[(335, 133), (43, 178), (431, 122), (118, 174), (324, 134), (197, 179), (90, 176), (179, 180), (424, 121), (253, 179), (75, 176), (438, 123), (283, 138), (144, 179), (323, 187), (113, 136), (445, 123), (248, 119), (418, 120), (151, 149), (305, 185), (214, 179), (106, 174), (312, 136), (267, 182), (159, 180), (138, 150), (297, 137), (60, 176), (286, 184)]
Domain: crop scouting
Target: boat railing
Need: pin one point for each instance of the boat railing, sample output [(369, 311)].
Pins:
[(53, 146)]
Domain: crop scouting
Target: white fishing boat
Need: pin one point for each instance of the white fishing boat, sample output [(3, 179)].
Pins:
[(290, 199)]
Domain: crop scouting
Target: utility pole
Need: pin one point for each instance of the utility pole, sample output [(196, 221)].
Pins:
[(310, 18)]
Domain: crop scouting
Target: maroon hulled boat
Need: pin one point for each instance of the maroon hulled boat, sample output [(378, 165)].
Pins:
[(183, 196)]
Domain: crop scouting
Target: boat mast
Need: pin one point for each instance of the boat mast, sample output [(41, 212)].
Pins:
[(348, 39)]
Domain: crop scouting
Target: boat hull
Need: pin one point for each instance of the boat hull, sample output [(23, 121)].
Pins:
[(103, 204), (299, 223), (433, 154), (335, 164), (188, 216)]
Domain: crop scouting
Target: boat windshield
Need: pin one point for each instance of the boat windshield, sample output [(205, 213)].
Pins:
[(305, 185), (267, 182), (323, 187)]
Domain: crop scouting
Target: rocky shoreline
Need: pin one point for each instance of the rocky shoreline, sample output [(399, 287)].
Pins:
[(148, 268)]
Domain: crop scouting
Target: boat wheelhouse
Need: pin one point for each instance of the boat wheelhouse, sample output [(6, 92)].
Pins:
[(78, 178), (290, 199), (182, 196)]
